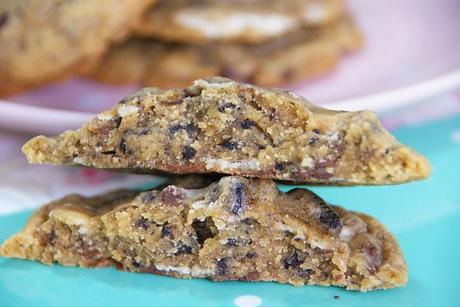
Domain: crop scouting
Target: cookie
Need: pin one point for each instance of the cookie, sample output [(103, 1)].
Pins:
[(47, 40), (234, 229), (242, 21), (298, 56), (226, 127)]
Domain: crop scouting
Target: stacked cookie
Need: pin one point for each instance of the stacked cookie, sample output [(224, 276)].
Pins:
[(266, 42), (170, 42), (43, 41), (230, 223)]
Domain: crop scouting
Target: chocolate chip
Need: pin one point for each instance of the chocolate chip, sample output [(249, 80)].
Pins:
[(222, 266), (231, 242), (184, 249), (136, 264), (238, 198), (117, 121), (51, 237), (166, 231), (327, 217), (293, 260), (175, 128), (251, 255), (313, 140), (247, 124), (279, 166), (229, 144), (316, 131), (330, 219), (226, 105), (3, 19), (188, 152), (273, 114), (122, 145), (108, 152), (142, 222), (191, 128)]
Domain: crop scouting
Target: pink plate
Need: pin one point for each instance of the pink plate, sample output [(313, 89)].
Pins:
[(411, 52)]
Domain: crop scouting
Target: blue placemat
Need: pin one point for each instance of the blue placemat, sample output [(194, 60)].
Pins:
[(425, 217)]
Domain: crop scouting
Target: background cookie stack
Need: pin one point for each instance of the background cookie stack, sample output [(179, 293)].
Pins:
[(169, 43), (266, 42)]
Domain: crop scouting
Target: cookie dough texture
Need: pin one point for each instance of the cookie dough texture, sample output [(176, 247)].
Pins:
[(241, 21), (297, 56), (222, 126), (234, 229), (48, 40)]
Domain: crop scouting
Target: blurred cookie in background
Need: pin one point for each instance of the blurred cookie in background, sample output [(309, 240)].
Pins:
[(242, 21), (48, 40), (302, 54)]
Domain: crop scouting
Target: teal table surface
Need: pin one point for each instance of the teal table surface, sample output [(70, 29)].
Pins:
[(424, 216)]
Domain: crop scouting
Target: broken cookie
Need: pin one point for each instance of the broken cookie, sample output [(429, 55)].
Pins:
[(233, 229), (222, 126)]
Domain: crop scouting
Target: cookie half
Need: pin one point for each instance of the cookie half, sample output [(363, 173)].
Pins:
[(298, 56), (226, 127), (234, 229), (240, 21), (48, 40)]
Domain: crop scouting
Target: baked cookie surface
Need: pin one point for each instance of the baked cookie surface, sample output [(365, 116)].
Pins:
[(222, 126), (241, 21), (47, 40), (297, 56), (233, 229)]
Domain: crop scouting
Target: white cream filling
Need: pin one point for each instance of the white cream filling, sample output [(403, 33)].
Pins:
[(79, 160), (307, 162), (126, 110), (205, 84), (251, 164), (218, 24), (194, 271), (104, 116), (346, 233)]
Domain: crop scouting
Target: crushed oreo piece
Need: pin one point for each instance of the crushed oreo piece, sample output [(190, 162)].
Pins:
[(238, 205), (222, 266), (142, 222), (188, 152)]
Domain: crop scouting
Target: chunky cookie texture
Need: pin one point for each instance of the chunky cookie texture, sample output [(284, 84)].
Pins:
[(234, 229), (242, 21), (47, 40), (222, 126), (296, 56)]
